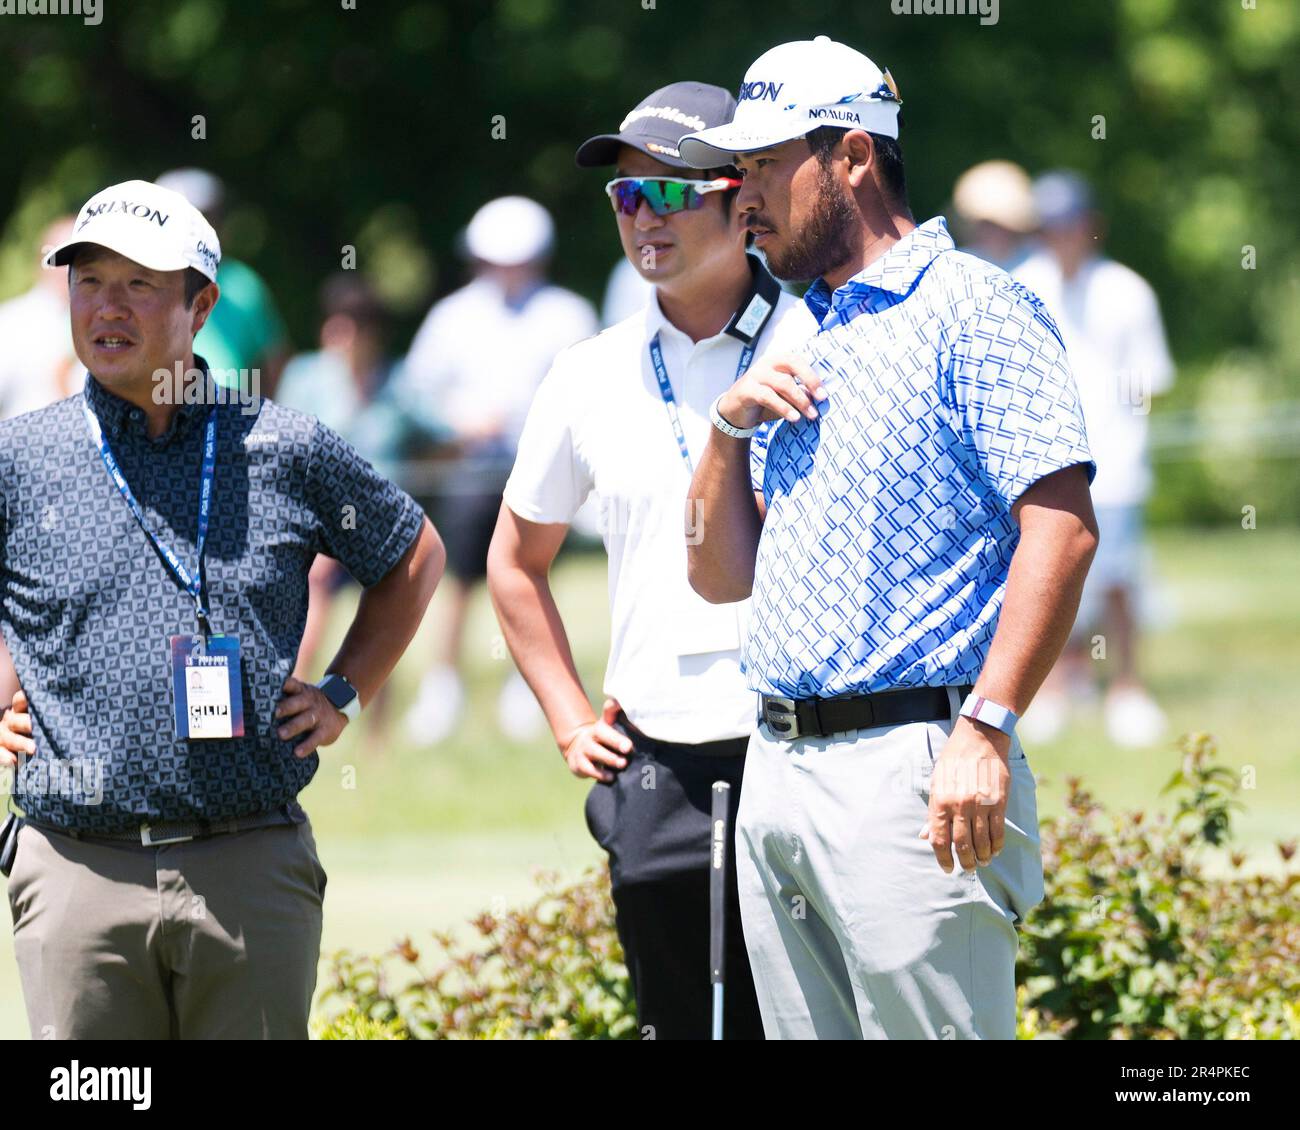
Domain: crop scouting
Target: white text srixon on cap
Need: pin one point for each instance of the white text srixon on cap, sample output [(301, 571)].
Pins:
[(139, 211), (759, 90)]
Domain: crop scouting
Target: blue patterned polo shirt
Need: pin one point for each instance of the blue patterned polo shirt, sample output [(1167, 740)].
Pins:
[(87, 604), (883, 558)]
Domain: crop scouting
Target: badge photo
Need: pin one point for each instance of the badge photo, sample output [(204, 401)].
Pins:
[(206, 687)]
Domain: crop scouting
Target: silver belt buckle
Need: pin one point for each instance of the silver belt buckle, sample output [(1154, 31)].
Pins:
[(779, 713), (147, 839)]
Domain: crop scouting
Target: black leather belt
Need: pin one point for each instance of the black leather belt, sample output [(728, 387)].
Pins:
[(725, 747), (790, 718), (179, 831)]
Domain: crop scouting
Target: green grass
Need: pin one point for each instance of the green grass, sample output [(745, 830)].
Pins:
[(420, 839), (1228, 664)]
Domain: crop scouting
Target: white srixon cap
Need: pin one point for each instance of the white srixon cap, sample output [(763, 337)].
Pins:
[(150, 225), (793, 89)]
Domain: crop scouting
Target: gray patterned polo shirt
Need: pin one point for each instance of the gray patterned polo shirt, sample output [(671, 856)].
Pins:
[(87, 604)]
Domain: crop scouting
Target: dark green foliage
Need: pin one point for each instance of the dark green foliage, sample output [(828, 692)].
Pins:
[(374, 128)]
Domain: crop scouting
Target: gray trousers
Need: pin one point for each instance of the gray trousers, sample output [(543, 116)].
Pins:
[(216, 938), (853, 929)]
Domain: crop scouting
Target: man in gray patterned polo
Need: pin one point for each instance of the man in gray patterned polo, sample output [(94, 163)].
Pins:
[(154, 550)]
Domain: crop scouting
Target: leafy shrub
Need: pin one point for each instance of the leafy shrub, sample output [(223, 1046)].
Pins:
[(1134, 940), (353, 1025), (552, 971)]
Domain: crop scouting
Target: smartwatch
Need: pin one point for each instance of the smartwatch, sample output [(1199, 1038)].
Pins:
[(727, 429), (990, 713), (342, 695)]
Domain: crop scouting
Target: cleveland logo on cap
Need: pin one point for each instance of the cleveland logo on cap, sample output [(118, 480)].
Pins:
[(107, 207)]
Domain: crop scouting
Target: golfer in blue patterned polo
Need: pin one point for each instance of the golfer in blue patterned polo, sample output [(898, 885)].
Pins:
[(155, 539), (916, 551)]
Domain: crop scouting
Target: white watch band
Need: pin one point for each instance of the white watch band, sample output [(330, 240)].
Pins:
[(729, 429), (990, 713)]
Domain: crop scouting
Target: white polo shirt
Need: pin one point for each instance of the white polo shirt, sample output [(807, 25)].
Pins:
[(1110, 322), (599, 424), (477, 359)]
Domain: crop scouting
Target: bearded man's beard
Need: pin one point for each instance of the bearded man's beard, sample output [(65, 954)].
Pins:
[(824, 243)]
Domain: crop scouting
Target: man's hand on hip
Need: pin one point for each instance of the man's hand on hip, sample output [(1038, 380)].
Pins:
[(968, 796), (781, 387), (594, 746), (16, 732), (304, 711)]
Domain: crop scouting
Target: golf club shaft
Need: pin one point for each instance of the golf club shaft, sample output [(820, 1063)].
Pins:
[(721, 836)]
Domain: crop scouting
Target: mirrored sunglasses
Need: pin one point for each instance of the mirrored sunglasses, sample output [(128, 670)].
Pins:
[(665, 195)]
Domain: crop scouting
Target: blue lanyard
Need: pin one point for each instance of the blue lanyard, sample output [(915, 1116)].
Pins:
[(192, 583), (670, 402)]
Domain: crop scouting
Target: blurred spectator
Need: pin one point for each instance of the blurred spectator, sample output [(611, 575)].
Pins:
[(245, 330), (1110, 322), (993, 205), (345, 385), (37, 363), (626, 294), (475, 363)]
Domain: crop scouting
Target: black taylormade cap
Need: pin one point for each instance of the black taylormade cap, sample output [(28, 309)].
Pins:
[(658, 121)]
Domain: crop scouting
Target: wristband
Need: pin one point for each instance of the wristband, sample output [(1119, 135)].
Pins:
[(342, 695), (725, 428), (990, 713)]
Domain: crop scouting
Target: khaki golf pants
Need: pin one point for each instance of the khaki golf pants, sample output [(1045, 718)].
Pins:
[(853, 929), (217, 938)]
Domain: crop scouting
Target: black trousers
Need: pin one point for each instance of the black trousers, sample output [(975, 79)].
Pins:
[(654, 820), (466, 523)]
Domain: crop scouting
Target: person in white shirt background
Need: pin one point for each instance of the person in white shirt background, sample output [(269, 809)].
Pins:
[(474, 365), (677, 714), (1110, 320), (37, 362)]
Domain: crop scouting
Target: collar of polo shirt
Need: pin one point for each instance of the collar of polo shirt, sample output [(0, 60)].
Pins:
[(897, 271), (117, 415)]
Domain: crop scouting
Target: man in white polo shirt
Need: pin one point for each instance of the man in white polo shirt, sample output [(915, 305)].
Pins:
[(625, 415)]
